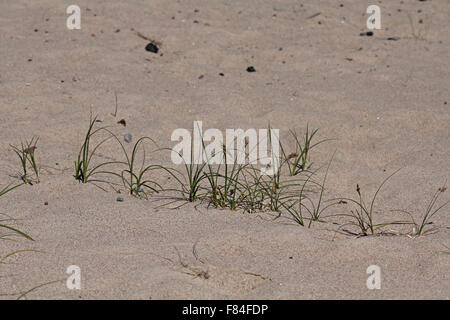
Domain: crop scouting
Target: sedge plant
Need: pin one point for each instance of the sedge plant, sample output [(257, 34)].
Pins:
[(26, 154), (84, 169), (420, 228), (363, 215)]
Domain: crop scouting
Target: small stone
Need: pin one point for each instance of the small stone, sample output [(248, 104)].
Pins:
[(221, 74), (45, 203), (128, 137), (394, 38), (152, 48), (119, 199), (251, 69), (368, 33)]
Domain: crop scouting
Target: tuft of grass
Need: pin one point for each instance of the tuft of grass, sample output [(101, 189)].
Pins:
[(297, 160), (363, 215), (430, 211), (26, 154), (84, 170), (304, 202), (231, 192), (135, 179), (191, 182)]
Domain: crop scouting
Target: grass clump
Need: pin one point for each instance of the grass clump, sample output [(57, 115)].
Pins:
[(134, 176), (363, 215), (191, 180), (226, 189), (84, 169), (26, 154), (297, 161), (305, 203), (420, 228)]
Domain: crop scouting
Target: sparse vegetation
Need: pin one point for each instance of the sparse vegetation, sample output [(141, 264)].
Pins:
[(84, 170), (135, 179), (26, 154), (421, 228), (291, 190)]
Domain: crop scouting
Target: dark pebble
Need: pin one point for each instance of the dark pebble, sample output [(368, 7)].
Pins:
[(45, 203), (221, 74), (119, 199), (394, 38), (251, 69), (368, 33), (152, 48)]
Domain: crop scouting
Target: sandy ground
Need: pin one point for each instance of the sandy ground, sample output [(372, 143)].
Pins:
[(383, 102)]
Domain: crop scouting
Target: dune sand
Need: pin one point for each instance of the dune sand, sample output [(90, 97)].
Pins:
[(382, 101)]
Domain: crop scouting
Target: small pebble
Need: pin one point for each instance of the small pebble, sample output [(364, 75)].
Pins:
[(394, 38), (368, 33), (221, 74), (119, 199), (251, 69), (128, 137), (152, 48), (45, 203)]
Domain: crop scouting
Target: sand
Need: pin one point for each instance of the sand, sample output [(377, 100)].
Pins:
[(382, 101)]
